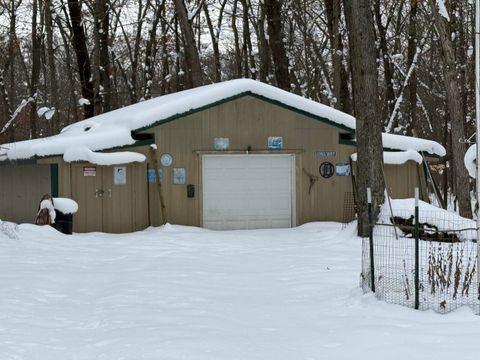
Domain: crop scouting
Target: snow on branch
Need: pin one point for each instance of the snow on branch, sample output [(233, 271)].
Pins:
[(442, 9), (400, 97), (191, 13), (19, 109)]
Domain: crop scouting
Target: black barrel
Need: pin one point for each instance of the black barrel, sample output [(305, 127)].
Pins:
[(63, 222)]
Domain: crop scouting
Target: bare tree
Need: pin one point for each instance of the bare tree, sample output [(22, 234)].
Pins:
[(455, 110), (365, 99)]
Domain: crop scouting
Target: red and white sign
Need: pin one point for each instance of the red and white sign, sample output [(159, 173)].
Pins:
[(89, 171)]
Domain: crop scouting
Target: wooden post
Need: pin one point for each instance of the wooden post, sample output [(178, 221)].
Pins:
[(417, 257), (163, 209), (370, 235)]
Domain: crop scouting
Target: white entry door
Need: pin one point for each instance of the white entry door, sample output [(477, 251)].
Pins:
[(248, 191)]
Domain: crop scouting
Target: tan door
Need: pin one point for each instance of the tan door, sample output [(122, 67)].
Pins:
[(87, 192), (115, 200)]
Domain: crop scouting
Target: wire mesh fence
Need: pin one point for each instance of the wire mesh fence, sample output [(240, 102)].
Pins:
[(429, 265)]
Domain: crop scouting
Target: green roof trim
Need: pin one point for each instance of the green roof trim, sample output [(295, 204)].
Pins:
[(137, 143), (8, 162), (347, 142), (241, 95)]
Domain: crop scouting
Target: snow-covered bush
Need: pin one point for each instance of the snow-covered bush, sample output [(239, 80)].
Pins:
[(9, 229)]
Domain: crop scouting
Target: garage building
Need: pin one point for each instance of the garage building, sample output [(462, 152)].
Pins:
[(235, 155)]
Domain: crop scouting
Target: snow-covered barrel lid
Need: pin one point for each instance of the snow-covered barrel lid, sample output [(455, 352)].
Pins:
[(65, 205)]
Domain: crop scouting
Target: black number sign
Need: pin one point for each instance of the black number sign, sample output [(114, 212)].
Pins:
[(327, 169)]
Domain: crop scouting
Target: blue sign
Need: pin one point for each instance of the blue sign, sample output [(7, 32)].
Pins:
[(275, 142), (343, 169), (151, 175)]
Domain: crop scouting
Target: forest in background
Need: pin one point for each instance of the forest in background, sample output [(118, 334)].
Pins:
[(65, 60)]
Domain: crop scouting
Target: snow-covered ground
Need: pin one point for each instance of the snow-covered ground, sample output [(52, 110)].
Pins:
[(187, 293)]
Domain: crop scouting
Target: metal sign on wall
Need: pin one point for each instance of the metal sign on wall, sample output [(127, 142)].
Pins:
[(120, 175), (322, 153), (89, 171)]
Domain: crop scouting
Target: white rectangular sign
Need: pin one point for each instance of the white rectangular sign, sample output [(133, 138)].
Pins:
[(120, 175)]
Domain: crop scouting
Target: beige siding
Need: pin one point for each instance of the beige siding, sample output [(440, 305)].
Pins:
[(402, 180), (248, 122), (21, 188)]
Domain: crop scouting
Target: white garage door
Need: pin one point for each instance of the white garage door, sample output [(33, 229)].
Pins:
[(248, 191)]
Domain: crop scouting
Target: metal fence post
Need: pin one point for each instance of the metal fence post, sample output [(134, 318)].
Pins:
[(417, 255), (370, 235)]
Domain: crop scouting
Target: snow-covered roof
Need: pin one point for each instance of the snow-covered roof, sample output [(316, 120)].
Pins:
[(401, 142), (397, 157), (114, 129)]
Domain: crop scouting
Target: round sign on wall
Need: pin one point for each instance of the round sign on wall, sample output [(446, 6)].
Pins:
[(166, 160), (327, 169)]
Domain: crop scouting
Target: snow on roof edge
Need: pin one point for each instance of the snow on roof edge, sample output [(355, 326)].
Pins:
[(397, 157)]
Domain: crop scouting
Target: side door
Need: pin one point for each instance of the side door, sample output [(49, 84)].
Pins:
[(125, 199), (87, 192)]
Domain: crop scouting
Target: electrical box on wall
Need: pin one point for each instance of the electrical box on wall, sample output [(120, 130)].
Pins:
[(190, 191)]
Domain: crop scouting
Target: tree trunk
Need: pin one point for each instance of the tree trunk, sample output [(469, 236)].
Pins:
[(102, 25), (36, 52), (83, 60), (387, 66), (361, 38), (151, 51), (275, 33), (192, 58), (214, 36), (263, 48), (340, 75), (456, 113), (52, 81), (412, 128), (236, 41)]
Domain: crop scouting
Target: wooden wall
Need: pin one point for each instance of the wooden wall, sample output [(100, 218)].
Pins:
[(248, 122), (21, 188), (401, 180)]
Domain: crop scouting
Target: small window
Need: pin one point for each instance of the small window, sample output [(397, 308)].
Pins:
[(140, 136), (346, 138)]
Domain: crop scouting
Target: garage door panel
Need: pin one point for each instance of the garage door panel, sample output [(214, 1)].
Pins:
[(248, 191)]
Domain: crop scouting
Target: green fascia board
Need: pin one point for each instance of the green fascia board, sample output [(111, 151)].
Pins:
[(30, 161), (54, 179), (238, 96), (137, 143), (347, 142)]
